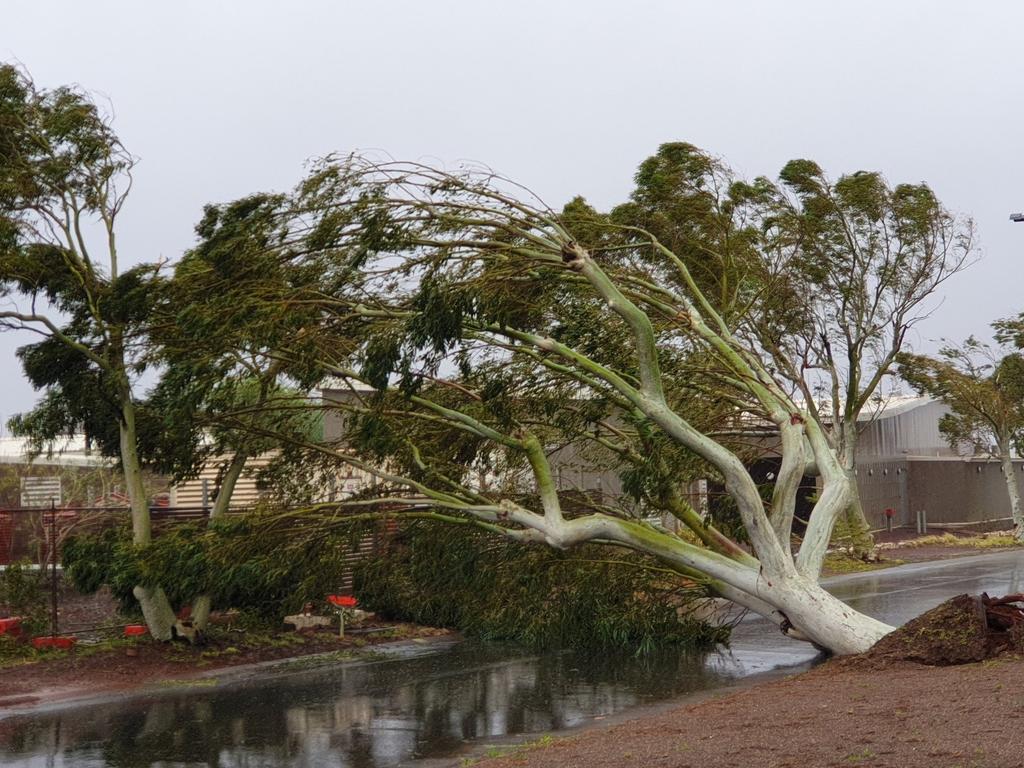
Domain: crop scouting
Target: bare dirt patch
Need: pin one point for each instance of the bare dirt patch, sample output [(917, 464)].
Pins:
[(913, 700), (905, 716)]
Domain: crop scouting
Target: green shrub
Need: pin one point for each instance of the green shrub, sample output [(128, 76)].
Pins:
[(592, 598), (238, 563), (23, 593)]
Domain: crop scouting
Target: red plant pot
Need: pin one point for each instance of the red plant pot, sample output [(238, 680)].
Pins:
[(135, 630), (60, 642), (11, 626)]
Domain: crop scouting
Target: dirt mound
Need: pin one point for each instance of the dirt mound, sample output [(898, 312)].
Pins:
[(964, 629)]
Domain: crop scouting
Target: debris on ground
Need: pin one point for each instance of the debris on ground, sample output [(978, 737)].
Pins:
[(962, 630)]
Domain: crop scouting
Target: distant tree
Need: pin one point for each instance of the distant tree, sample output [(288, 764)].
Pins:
[(219, 384), (64, 179), (984, 387), (847, 268)]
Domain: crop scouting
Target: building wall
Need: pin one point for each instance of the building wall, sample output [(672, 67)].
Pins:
[(960, 491), (949, 489), (201, 491)]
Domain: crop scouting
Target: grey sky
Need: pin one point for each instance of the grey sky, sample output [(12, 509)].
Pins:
[(220, 99)]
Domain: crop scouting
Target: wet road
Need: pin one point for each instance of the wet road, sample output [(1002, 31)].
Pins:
[(430, 705)]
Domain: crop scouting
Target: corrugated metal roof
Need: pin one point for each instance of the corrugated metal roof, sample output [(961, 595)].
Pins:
[(69, 452)]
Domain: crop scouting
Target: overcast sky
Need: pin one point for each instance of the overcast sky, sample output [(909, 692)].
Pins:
[(221, 99)]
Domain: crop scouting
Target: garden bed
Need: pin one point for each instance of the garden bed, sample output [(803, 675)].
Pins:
[(29, 677)]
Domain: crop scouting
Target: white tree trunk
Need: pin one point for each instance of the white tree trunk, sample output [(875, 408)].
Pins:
[(202, 605), (157, 612), (1011, 489), (156, 608), (800, 607), (856, 521), (811, 613)]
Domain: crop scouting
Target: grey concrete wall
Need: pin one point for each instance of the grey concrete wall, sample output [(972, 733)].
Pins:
[(950, 490), (960, 491)]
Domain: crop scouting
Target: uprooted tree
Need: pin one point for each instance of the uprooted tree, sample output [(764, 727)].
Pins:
[(824, 278), (479, 333)]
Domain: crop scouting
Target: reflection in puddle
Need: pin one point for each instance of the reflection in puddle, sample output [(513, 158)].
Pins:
[(372, 715), (393, 712)]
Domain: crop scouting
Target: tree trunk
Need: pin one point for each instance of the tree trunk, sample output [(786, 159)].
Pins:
[(800, 607), (855, 522), (1011, 488), (202, 605), (156, 608), (816, 616), (157, 612)]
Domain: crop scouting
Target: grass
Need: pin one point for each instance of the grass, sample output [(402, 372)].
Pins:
[(976, 542), (201, 682), (856, 757), (496, 751), (836, 563), (14, 653)]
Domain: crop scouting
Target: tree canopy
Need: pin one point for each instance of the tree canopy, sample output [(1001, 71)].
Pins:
[(476, 333)]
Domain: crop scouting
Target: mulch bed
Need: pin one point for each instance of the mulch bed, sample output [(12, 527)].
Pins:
[(906, 716), (136, 663)]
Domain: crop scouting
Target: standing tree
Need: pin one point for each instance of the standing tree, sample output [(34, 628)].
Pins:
[(490, 331), (848, 268), (984, 387), (64, 177)]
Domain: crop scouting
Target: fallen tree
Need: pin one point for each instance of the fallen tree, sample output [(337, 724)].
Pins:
[(479, 334)]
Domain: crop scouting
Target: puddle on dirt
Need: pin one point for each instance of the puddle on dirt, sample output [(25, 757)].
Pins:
[(432, 704), (370, 716)]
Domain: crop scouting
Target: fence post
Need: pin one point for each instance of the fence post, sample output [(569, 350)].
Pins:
[(53, 569)]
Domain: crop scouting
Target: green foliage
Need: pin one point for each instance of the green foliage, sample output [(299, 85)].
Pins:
[(494, 589), (91, 561), (23, 592), (982, 384), (237, 563)]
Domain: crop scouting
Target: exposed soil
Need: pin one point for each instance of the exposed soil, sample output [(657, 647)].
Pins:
[(904, 716), (877, 709)]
